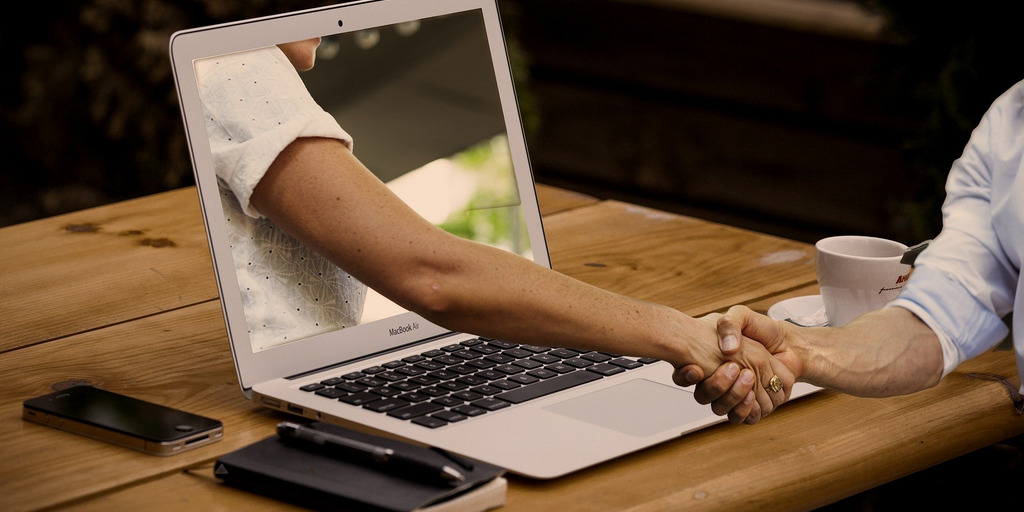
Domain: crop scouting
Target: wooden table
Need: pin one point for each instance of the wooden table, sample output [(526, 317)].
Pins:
[(123, 296)]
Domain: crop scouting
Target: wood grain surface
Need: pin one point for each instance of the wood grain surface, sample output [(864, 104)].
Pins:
[(100, 306)]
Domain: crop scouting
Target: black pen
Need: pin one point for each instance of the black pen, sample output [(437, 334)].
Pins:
[(366, 452)]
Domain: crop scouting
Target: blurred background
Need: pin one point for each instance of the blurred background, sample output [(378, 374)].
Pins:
[(800, 118)]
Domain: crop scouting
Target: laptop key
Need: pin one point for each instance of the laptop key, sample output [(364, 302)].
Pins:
[(447, 360), (429, 365), (386, 404), (596, 357), (486, 390), (424, 380), (449, 416), (351, 387), (534, 348), (432, 391), (414, 397), (443, 374), (331, 392), (361, 398), (491, 404), (564, 353), (546, 387), (385, 391), (469, 410), (486, 349), (453, 385), (541, 373), (577, 362), (406, 385), (509, 384), (466, 395), (529, 364), (559, 368), (467, 354), (472, 380), (490, 375), (605, 369), (628, 364), (517, 353), (448, 401), (500, 358), (530, 379), (545, 358), (412, 411), (429, 421)]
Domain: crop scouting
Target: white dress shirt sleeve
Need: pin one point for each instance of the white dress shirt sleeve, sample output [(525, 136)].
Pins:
[(966, 281)]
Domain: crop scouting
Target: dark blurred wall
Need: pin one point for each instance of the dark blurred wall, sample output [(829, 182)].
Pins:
[(89, 113), (767, 121)]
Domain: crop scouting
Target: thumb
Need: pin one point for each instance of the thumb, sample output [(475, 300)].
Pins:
[(687, 375)]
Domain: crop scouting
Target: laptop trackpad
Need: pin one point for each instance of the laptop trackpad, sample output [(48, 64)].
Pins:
[(638, 407)]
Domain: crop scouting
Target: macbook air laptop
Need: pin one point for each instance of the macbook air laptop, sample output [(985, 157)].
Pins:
[(425, 89)]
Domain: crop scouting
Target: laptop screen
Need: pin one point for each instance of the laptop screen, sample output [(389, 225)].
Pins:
[(428, 105)]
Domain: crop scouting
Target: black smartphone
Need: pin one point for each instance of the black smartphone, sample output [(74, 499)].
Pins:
[(122, 420)]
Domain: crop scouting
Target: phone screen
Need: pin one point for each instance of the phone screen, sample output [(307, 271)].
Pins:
[(122, 420)]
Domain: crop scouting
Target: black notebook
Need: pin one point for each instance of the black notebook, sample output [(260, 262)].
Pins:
[(315, 479)]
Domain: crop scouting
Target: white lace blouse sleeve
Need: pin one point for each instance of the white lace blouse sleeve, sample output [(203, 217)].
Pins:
[(256, 104)]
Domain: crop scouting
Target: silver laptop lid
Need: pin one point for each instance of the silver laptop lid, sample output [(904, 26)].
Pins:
[(425, 90)]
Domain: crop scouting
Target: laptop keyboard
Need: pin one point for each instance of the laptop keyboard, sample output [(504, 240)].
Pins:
[(468, 379)]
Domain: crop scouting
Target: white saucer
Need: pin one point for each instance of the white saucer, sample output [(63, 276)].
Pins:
[(799, 308)]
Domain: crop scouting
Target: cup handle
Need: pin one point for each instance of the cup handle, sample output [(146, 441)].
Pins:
[(910, 255)]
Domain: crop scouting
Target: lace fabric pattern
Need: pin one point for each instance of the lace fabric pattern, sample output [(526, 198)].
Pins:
[(289, 292)]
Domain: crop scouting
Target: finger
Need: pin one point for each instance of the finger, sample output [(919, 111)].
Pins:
[(687, 375), (729, 333), (744, 411), (764, 400), (767, 397), (755, 413), (742, 321), (787, 380), (718, 384), (735, 396)]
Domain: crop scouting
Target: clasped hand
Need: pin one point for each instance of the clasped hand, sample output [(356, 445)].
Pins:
[(753, 346)]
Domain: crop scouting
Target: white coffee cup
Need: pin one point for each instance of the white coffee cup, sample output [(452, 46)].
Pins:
[(858, 274)]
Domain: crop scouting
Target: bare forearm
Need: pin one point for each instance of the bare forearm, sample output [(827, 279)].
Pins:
[(504, 296), (319, 193), (883, 353)]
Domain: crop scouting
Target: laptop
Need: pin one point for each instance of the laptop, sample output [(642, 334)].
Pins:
[(425, 89)]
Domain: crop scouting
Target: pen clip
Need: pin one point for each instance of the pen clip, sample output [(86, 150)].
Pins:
[(461, 461)]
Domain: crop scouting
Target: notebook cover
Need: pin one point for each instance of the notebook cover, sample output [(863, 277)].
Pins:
[(322, 482)]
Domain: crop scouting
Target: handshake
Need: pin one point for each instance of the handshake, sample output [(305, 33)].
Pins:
[(758, 371), (885, 352), (871, 350)]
